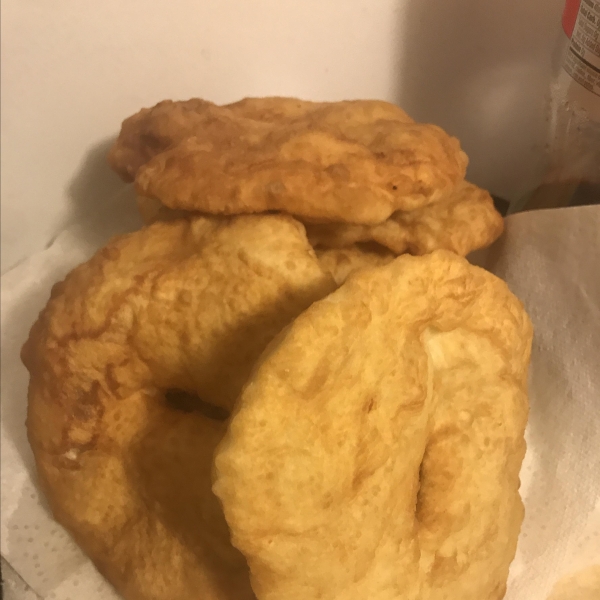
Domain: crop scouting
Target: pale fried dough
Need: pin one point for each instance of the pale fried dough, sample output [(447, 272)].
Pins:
[(187, 305), (463, 221), (375, 452), (350, 162), (341, 262)]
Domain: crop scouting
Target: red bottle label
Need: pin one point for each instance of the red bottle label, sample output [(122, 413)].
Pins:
[(570, 16)]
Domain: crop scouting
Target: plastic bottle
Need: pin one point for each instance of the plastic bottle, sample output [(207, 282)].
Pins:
[(573, 146)]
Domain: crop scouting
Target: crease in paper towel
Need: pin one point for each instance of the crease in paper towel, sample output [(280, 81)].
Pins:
[(547, 257)]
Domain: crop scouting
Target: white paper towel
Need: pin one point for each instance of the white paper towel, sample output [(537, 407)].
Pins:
[(551, 260)]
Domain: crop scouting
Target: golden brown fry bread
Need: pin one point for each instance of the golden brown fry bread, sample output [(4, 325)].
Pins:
[(463, 221), (353, 161), (341, 262), (375, 452), (124, 458)]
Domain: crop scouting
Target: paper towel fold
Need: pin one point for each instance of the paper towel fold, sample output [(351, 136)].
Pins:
[(550, 259)]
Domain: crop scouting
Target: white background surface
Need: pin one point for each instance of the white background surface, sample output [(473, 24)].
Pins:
[(72, 70)]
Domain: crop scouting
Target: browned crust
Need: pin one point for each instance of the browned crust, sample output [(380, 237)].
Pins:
[(463, 221), (189, 305), (351, 161)]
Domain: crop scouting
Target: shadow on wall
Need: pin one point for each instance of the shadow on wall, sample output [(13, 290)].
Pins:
[(481, 70), (93, 190)]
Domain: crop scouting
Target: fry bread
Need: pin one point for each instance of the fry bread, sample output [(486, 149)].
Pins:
[(463, 221), (351, 162), (135, 363), (375, 452)]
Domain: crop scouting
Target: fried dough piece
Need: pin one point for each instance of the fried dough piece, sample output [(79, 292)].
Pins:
[(352, 162), (125, 459), (341, 262), (375, 452), (462, 222)]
